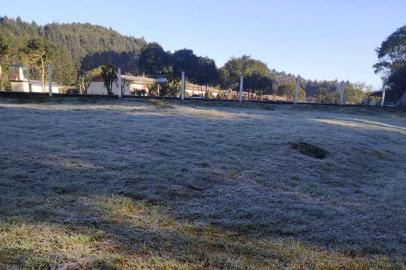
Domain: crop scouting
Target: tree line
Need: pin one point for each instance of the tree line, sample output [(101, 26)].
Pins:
[(77, 51), (259, 79), (73, 49)]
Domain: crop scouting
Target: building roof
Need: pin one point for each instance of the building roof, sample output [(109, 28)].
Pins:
[(37, 82), (197, 87), (137, 79), (130, 78)]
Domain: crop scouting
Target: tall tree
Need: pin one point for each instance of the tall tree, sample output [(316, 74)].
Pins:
[(200, 70), (3, 54), (355, 93), (392, 61), (207, 72), (85, 79), (3, 46), (36, 55), (155, 61), (186, 61), (324, 95), (256, 74), (64, 70), (109, 77), (245, 65), (288, 90), (257, 83)]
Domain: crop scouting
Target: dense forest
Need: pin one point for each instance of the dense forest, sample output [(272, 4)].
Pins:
[(77, 49)]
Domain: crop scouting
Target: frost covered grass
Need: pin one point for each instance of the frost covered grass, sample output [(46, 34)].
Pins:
[(108, 184)]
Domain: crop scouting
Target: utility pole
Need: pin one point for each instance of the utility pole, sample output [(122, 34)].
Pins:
[(342, 90), (50, 79), (119, 82), (182, 93), (383, 98), (241, 88), (296, 90)]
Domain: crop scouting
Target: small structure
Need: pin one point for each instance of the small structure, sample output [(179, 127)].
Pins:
[(196, 90), (18, 76), (390, 98), (131, 85)]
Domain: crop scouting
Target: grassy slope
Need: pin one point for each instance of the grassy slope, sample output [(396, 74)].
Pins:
[(130, 185)]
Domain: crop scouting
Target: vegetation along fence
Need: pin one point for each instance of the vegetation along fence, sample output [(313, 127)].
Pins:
[(346, 94)]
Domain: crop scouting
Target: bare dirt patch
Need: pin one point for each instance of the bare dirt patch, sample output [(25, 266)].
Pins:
[(310, 150)]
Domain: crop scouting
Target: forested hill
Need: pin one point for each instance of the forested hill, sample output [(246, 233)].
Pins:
[(85, 40), (90, 44), (75, 48)]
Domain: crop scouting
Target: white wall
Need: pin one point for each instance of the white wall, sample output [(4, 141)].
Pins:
[(35, 87), (98, 88), (20, 87), (201, 93)]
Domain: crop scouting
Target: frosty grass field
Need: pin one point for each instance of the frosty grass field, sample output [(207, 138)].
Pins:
[(125, 184)]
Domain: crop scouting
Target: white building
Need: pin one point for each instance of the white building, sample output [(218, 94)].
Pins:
[(18, 77), (33, 86), (132, 85)]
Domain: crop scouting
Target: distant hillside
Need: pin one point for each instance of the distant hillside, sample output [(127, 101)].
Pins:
[(75, 47), (89, 45), (94, 45)]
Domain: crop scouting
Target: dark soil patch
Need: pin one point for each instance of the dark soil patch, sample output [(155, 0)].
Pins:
[(310, 150)]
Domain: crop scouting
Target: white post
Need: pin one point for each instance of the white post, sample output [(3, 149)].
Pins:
[(383, 98), (241, 88), (342, 90), (296, 90), (119, 82), (183, 86), (50, 80)]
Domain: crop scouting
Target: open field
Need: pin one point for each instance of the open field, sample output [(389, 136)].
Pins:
[(151, 185)]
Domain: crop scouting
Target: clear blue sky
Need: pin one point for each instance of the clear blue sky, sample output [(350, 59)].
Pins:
[(318, 39)]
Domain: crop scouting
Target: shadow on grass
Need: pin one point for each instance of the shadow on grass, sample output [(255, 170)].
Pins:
[(113, 232)]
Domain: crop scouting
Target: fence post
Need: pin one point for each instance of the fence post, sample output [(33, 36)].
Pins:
[(296, 90), (241, 88), (182, 93), (119, 82), (50, 80), (383, 98), (342, 89)]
